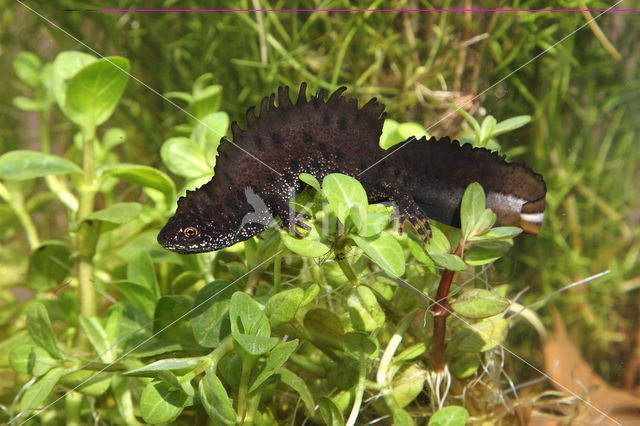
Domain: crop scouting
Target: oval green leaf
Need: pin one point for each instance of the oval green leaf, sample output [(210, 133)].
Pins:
[(282, 307), (449, 416), (208, 133), (117, 213), (24, 164), (385, 251), (27, 67), (144, 176), (479, 303), (38, 392), (49, 265), (210, 314), (65, 66), (160, 403), (94, 91), (184, 157), (481, 336), (40, 330), (364, 310), (343, 193), (215, 399)]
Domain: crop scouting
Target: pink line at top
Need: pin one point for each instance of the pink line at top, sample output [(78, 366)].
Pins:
[(368, 10)]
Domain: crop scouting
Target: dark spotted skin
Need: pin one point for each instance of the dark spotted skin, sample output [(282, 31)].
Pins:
[(425, 178)]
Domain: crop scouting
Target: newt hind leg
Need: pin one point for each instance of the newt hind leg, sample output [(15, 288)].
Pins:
[(407, 210)]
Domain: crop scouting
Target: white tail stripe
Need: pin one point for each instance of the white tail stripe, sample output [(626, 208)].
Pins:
[(532, 217)]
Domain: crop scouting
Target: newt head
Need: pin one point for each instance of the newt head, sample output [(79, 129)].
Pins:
[(205, 223)]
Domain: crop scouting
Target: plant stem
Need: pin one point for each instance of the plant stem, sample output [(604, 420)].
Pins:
[(243, 390), (56, 186), (277, 268), (17, 205), (342, 261), (440, 314), (86, 237), (359, 392)]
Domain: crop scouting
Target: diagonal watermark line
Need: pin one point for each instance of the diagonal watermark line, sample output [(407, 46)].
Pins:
[(53, 24), (123, 356), (493, 85)]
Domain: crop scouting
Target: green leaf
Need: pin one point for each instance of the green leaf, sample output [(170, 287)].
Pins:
[(40, 390), (385, 251), (486, 129), (276, 359), (28, 104), (138, 295), (510, 124), (215, 399), (65, 66), (331, 414), (87, 382), (208, 132), (94, 91), (471, 208), (310, 180), (448, 261), (97, 337), (113, 137), (402, 418), (464, 365), (481, 336), (487, 251), (389, 135), (371, 224), (249, 325), (364, 310), (324, 322), (49, 265), (117, 213), (417, 248), (449, 416), (140, 270), (23, 165), (40, 329), (171, 318), (160, 403), (407, 130), (205, 101), (27, 67), (359, 345), (343, 193), (178, 366), (310, 294), (479, 303), (184, 157), (31, 359), (309, 246), (282, 307), (407, 384), (499, 233), (122, 393), (474, 123), (438, 243), (210, 315), (297, 384), (142, 175)]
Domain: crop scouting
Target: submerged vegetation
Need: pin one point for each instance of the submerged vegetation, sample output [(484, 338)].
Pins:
[(99, 322)]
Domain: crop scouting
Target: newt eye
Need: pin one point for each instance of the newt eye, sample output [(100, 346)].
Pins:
[(190, 232)]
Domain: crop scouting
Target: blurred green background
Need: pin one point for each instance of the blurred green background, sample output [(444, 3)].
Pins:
[(583, 95)]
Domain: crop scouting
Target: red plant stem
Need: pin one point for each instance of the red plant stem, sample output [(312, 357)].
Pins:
[(440, 313)]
